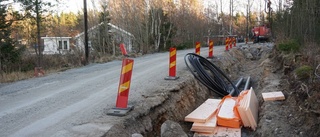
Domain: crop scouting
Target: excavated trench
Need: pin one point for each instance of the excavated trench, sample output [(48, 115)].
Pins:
[(182, 97)]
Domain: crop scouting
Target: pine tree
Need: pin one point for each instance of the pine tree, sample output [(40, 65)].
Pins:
[(8, 53)]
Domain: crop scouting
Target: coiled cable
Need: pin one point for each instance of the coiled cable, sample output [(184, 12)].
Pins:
[(210, 75)]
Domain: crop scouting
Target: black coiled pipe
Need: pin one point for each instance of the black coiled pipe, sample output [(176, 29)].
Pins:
[(210, 75)]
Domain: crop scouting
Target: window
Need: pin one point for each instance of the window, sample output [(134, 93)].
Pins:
[(65, 44), (60, 45)]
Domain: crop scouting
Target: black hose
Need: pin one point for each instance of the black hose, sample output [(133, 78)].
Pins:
[(210, 75)]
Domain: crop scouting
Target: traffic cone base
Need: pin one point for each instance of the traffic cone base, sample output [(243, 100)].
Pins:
[(171, 78), (119, 111)]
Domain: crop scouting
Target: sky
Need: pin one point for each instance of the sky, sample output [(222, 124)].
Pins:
[(239, 5), (76, 5)]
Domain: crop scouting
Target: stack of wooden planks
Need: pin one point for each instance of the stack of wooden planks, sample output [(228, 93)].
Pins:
[(271, 96), (204, 117), (227, 115), (216, 117), (221, 132), (248, 109), (204, 112), (205, 121)]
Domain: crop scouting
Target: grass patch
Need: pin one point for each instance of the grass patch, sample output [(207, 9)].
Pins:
[(291, 45), (304, 72), (15, 76)]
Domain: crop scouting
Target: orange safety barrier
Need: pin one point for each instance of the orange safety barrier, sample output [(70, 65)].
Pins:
[(172, 64), (210, 49), (227, 44), (234, 42), (124, 84), (198, 46)]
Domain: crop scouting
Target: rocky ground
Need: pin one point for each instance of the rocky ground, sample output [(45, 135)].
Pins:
[(272, 70)]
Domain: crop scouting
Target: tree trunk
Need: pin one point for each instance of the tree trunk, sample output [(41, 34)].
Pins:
[(38, 33)]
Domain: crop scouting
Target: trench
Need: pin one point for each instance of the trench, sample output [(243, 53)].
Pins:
[(182, 97)]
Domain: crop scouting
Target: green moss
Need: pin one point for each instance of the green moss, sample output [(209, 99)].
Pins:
[(289, 45), (304, 72)]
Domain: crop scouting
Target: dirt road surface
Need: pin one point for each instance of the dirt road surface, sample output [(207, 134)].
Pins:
[(65, 103)]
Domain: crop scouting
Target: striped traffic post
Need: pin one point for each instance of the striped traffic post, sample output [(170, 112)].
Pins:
[(198, 48), (227, 44), (123, 50), (172, 65), (230, 42), (210, 49), (122, 107)]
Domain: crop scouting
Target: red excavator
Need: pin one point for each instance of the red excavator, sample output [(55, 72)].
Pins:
[(261, 34)]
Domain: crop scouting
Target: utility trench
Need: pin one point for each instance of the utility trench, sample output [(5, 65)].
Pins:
[(184, 95)]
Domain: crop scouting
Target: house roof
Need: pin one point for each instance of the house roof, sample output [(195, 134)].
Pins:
[(56, 37), (111, 25)]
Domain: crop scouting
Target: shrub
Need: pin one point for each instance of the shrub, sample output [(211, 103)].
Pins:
[(185, 45), (289, 45), (304, 72)]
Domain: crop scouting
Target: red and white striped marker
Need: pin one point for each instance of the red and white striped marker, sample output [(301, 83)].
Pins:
[(210, 49), (172, 65), (231, 43), (198, 46), (227, 44), (122, 108)]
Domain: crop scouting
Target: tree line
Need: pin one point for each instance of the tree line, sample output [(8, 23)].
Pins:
[(156, 26)]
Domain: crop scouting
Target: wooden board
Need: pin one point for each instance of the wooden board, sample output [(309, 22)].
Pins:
[(227, 115), (221, 132), (248, 109), (204, 111), (243, 115), (211, 123), (203, 131), (226, 109), (271, 96)]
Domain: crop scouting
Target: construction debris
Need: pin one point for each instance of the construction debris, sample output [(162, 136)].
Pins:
[(272, 96)]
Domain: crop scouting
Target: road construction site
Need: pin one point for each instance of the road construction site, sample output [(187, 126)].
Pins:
[(76, 102)]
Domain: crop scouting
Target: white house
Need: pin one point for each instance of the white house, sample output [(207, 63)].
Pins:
[(56, 45), (119, 35)]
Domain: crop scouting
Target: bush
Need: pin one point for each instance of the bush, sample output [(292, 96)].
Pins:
[(304, 72), (289, 45), (185, 45)]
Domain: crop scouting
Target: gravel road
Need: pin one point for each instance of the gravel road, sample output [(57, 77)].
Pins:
[(66, 103)]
